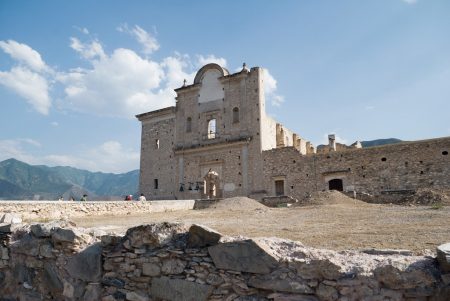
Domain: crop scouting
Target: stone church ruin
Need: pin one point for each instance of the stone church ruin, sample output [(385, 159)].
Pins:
[(218, 141)]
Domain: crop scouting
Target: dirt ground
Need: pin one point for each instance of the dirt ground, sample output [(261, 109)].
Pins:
[(336, 222)]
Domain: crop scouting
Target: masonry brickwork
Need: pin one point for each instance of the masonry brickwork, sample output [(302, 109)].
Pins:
[(56, 261), (378, 170), (218, 141)]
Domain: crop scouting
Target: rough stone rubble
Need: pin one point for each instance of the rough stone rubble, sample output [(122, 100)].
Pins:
[(167, 261)]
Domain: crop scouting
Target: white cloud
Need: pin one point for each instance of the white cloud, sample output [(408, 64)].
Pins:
[(270, 87), (16, 148), (148, 42), (29, 85), (24, 54), (122, 84), (211, 58), (54, 123), (410, 1), (175, 67), (109, 156), (87, 50)]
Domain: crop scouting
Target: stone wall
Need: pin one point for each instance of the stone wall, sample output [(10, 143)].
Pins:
[(169, 262), (376, 170), (38, 210), (157, 142)]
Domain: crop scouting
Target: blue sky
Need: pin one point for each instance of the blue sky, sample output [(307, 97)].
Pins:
[(74, 74)]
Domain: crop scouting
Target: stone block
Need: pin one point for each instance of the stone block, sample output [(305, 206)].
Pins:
[(10, 218), (151, 269), (394, 278), (173, 266), (202, 236), (51, 279), (134, 296), (93, 292), (45, 250), (86, 265), (63, 235), (179, 290), (5, 227), (242, 256), (115, 282), (27, 245), (280, 285), (41, 230), (154, 235), (443, 257), (289, 297), (327, 293), (318, 269)]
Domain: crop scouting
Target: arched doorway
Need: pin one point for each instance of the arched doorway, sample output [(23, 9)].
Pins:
[(336, 184), (211, 186)]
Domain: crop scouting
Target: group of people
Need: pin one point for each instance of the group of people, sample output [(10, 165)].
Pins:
[(141, 198), (84, 198)]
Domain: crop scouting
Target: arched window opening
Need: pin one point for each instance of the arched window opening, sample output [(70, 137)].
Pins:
[(188, 125), (235, 115), (212, 129), (336, 184)]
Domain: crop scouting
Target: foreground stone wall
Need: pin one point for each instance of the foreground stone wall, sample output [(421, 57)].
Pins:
[(169, 262), (38, 210), (375, 170)]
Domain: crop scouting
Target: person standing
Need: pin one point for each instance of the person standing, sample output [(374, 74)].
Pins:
[(142, 198), (84, 198)]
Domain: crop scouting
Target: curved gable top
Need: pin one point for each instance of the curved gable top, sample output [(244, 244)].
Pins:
[(213, 66)]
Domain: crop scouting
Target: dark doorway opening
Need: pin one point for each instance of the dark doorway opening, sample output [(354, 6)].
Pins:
[(279, 187), (336, 184)]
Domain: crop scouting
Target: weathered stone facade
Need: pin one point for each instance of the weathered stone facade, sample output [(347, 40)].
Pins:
[(218, 142), (386, 169), (55, 261)]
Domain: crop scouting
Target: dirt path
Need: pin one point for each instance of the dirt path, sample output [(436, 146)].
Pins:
[(334, 226)]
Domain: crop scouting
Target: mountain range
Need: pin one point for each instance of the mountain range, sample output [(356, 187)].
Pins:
[(19, 180), (379, 142)]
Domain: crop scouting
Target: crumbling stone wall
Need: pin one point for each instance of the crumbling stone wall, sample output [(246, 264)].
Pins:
[(169, 262), (383, 169), (51, 210)]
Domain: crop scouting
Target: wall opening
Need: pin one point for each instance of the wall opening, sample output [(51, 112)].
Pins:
[(188, 125), (383, 159), (212, 129), (235, 115), (210, 185), (279, 187), (336, 184), (155, 184), (445, 153)]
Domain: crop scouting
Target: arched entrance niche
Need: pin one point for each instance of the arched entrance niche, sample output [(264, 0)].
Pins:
[(211, 185), (336, 184)]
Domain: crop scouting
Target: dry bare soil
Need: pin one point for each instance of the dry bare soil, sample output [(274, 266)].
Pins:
[(330, 220)]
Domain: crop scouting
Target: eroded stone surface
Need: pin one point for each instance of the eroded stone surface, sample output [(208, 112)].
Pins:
[(179, 290), (154, 262), (202, 236), (242, 256), (443, 256), (86, 265)]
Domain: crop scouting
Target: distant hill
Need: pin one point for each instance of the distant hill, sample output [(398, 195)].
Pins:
[(379, 142), (19, 180)]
